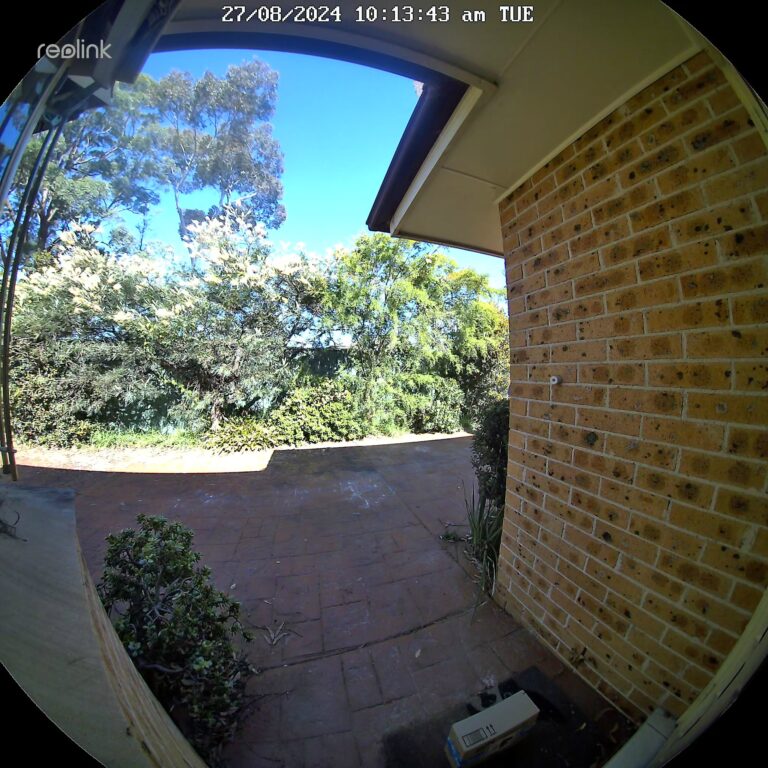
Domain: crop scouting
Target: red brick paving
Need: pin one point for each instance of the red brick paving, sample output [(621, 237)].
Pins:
[(341, 546)]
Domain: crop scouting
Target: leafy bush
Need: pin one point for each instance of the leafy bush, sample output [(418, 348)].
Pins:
[(114, 438), (318, 413), (178, 629), (429, 403), (489, 452), (241, 434)]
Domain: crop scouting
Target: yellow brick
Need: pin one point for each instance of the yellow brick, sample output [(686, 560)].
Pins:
[(705, 524), (579, 351), (575, 436), (533, 195), (634, 498), (704, 83), (599, 508), (546, 260), (629, 200), (697, 677), (597, 193), (695, 573), (703, 166), (639, 121), (741, 409), (745, 597), (741, 181), (581, 579), (543, 372), (707, 375), (583, 265), (577, 309), (551, 484), (723, 100), (539, 224), (551, 412), (692, 315), (712, 610), (713, 222), (601, 235), (709, 437), (655, 650), (694, 256), (749, 310), (648, 295), (525, 286), (549, 296), (577, 163), (611, 374), (561, 195), (743, 506), (574, 609), (610, 421), (686, 622), (749, 147), (724, 127), (662, 211), (749, 443), (652, 578), (568, 514), (721, 642), (656, 454), (705, 657), (628, 543), (737, 563), (650, 165), (591, 546), (604, 466), (612, 579), (666, 537), (660, 87), (651, 241), (646, 347), (604, 327), (567, 230), (674, 486), (646, 401), (552, 334), (723, 469), (751, 377), (530, 355), (670, 682), (677, 125)]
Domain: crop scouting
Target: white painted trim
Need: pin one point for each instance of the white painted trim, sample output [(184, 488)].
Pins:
[(463, 109), (675, 61), (351, 39)]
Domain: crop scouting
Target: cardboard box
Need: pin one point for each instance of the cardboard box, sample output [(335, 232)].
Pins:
[(476, 738)]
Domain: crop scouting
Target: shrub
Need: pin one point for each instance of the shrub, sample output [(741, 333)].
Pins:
[(317, 413), (178, 629), (489, 452), (429, 403)]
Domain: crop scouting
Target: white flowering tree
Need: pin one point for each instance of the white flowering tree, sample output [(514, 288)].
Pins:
[(138, 339)]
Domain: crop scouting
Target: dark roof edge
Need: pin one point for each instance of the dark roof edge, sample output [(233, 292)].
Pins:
[(438, 101)]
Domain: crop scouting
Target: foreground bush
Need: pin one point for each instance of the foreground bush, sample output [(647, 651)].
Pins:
[(178, 629), (489, 452)]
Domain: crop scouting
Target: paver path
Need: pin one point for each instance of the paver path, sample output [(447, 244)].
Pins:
[(339, 546)]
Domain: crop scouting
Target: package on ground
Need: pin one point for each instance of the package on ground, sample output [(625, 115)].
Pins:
[(476, 738)]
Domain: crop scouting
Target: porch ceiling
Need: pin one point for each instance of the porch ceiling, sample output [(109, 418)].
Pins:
[(531, 89)]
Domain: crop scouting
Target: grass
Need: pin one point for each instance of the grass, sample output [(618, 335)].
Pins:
[(112, 438)]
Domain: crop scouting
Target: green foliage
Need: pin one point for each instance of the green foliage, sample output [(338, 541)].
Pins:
[(178, 629), (178, 133), (429, 403), (489, 452), (484, 539), (323, 412)]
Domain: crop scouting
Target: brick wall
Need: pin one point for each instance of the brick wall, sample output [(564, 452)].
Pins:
[(636, 530)]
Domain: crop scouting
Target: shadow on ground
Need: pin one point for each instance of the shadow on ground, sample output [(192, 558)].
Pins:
[(381, 625)]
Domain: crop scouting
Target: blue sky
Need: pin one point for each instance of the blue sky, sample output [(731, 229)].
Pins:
[(338, 125)]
